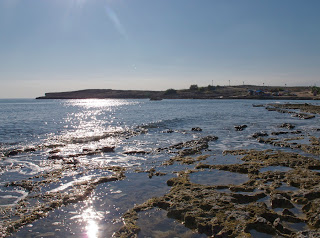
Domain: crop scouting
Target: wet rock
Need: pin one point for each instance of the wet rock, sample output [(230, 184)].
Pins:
[(312, 209), (276, 133), (232, 214), (287, 212), (130, 230), (196, 129), (240, 127), (193, 146), (55, 157), (242, 198), (246, 187), (259, 134), (278, 201), (261, 225), (308, 234), (292, 160), (235, 152), (168, 131), (238, 168), (190, 220), (14, 152), (26, 184), (303, 107), (54, 151), (278, 225), (303, 116), (31, 149), (215, 213), (71, 161), (185, 160), (135, 152), (271, 109), (151, 172), (274, 142), (287, 125), (107, 149), (308, 194)]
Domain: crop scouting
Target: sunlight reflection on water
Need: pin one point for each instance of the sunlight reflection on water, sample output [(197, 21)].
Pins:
[(93, 121), (76, 131), (99, 103), (92, 229), (91, 218)]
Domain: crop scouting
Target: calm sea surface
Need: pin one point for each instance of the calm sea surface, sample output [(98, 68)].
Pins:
[(35, 128)]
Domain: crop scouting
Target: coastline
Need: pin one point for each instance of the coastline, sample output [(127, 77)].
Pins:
[(219, 92)]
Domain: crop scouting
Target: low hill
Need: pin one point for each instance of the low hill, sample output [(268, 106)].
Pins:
[(195, 92)]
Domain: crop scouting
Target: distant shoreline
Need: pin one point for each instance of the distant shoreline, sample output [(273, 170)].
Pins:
[(195, 92)]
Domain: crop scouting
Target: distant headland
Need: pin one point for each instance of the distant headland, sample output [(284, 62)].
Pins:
[(196, 92)]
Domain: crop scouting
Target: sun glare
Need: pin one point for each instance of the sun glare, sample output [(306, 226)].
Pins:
[(99, 103), (92, 228)]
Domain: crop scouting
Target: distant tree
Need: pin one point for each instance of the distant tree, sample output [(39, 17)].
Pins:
[(202, 89), (193, 87), (315, 90), (211, 88), (170, 91), (276, 90)]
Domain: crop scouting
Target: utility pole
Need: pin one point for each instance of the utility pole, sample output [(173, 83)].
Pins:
[(229, 83)]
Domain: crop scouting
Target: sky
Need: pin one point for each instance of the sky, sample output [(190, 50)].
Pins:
[(65, 45)]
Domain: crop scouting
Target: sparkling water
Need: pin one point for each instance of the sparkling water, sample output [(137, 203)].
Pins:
[(33, 130)]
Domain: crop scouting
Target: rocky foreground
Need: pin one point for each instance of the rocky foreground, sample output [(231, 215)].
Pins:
[(281, 192), (272, 201)]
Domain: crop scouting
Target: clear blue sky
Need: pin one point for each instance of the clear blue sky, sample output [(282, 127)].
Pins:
[(61, 45)]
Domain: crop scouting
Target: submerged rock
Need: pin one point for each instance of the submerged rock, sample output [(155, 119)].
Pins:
[(107, 149), (308, 234), (135, 152), (14, 152), (287, 125), (278, 201), (240, 127), (259, 134), (193, 146)]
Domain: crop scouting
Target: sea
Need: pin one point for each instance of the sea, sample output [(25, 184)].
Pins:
[(137, 131)]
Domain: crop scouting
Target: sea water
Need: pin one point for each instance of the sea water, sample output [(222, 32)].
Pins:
[(35, 128)]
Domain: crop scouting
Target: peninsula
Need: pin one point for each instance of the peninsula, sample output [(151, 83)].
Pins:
[(195, 92)]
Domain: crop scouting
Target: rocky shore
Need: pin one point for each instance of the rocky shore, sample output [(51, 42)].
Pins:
[(279, 192), (283, 189)]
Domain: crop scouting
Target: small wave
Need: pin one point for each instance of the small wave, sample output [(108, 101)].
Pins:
[(62, 141), (163, 124), (122, 133), (69, 184), (13, 198)]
